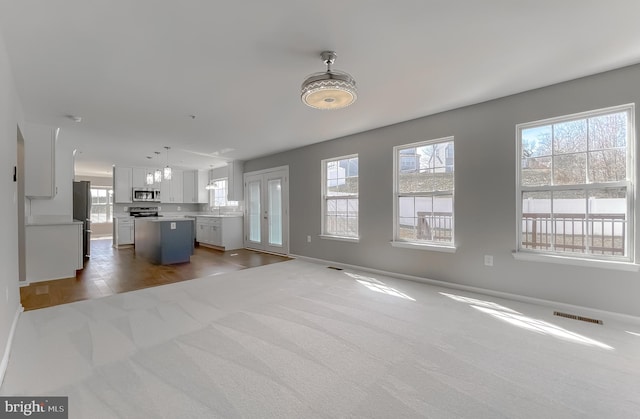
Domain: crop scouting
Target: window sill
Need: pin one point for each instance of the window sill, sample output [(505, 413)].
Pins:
[(425, 246), (567, 260), (340, 238)]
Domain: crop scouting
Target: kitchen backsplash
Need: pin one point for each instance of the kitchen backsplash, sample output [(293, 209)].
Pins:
[(122, 209)]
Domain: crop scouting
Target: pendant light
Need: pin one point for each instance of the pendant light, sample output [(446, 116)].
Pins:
[(157, 174), (329, 90), (148, 180), (167, 169)]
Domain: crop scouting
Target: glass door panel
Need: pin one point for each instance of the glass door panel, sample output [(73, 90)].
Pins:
[(275, 211), (254, 205)]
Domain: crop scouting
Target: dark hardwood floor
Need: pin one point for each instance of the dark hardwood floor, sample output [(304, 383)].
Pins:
[(112, 271)]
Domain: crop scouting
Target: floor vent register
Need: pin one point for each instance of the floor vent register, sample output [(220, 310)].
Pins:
[(574, 317)]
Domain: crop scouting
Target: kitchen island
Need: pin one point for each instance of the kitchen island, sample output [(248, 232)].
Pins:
[(164, 240)]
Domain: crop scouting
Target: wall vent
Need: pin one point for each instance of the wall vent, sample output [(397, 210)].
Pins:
[(574, 317), (334, 268)]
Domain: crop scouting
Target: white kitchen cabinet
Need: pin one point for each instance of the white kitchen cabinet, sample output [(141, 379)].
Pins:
[(220, 232), (235, 185), (202, 230), (209, 231), (189, 188), (53, 251), (194, 183), (122, 184), (125, 231), (139, 178), (215, 235), (61, 204), (171, 191), (39, 160)]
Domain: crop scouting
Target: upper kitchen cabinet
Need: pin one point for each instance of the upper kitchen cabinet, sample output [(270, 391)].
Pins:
[(39, 160), (195, 182), (171, 191), (139, 179), (235, 185), (122, 184)]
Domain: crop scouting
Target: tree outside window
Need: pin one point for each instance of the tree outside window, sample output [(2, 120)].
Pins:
[(340, 197), (218, 193), (575, 184), (424, 191)]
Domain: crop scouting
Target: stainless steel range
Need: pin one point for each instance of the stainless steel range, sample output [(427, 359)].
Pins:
[(143, 211)]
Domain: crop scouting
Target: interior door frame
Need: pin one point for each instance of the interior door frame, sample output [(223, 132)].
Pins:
[(264, 174)]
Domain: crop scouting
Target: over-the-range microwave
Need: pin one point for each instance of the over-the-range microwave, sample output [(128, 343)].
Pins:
[(145, 195)]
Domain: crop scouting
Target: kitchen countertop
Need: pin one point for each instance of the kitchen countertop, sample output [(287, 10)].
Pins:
[(218, 216), (164, 219), (53, 223), (187, 215)]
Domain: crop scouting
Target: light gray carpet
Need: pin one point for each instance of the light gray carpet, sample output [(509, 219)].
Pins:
[(298, 340)]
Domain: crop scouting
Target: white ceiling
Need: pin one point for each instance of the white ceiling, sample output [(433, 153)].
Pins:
[(136, 70)]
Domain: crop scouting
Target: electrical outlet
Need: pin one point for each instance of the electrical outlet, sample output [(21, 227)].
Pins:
[(179, 209), (173, 226), (488, 260), (308, 239)]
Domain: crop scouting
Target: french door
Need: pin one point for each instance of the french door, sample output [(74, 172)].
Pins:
[(266, 221)]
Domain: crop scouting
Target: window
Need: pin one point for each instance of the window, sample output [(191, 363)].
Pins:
[(101, 204), (575, 191), (340, 197), (218, 193), (423, 193)]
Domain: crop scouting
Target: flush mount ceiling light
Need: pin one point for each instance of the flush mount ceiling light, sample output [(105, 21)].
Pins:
[(332, 89)]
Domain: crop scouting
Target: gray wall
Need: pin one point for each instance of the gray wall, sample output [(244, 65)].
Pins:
[(485, 200), (96, 180)]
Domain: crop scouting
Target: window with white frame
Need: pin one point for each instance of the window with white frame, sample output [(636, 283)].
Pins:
[(575, 184), (340, 197), (101, 204), (218, 192), (424, 192)]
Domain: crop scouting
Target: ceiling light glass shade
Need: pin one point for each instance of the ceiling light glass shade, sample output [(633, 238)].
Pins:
[(167, 169), (157, 176), (331, 89), (149, 180)]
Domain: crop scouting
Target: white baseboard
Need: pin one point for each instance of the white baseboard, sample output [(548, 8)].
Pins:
[(574, 309), (7, 349)]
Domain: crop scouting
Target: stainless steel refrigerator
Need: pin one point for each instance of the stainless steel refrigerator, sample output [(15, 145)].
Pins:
[(82, 212)]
